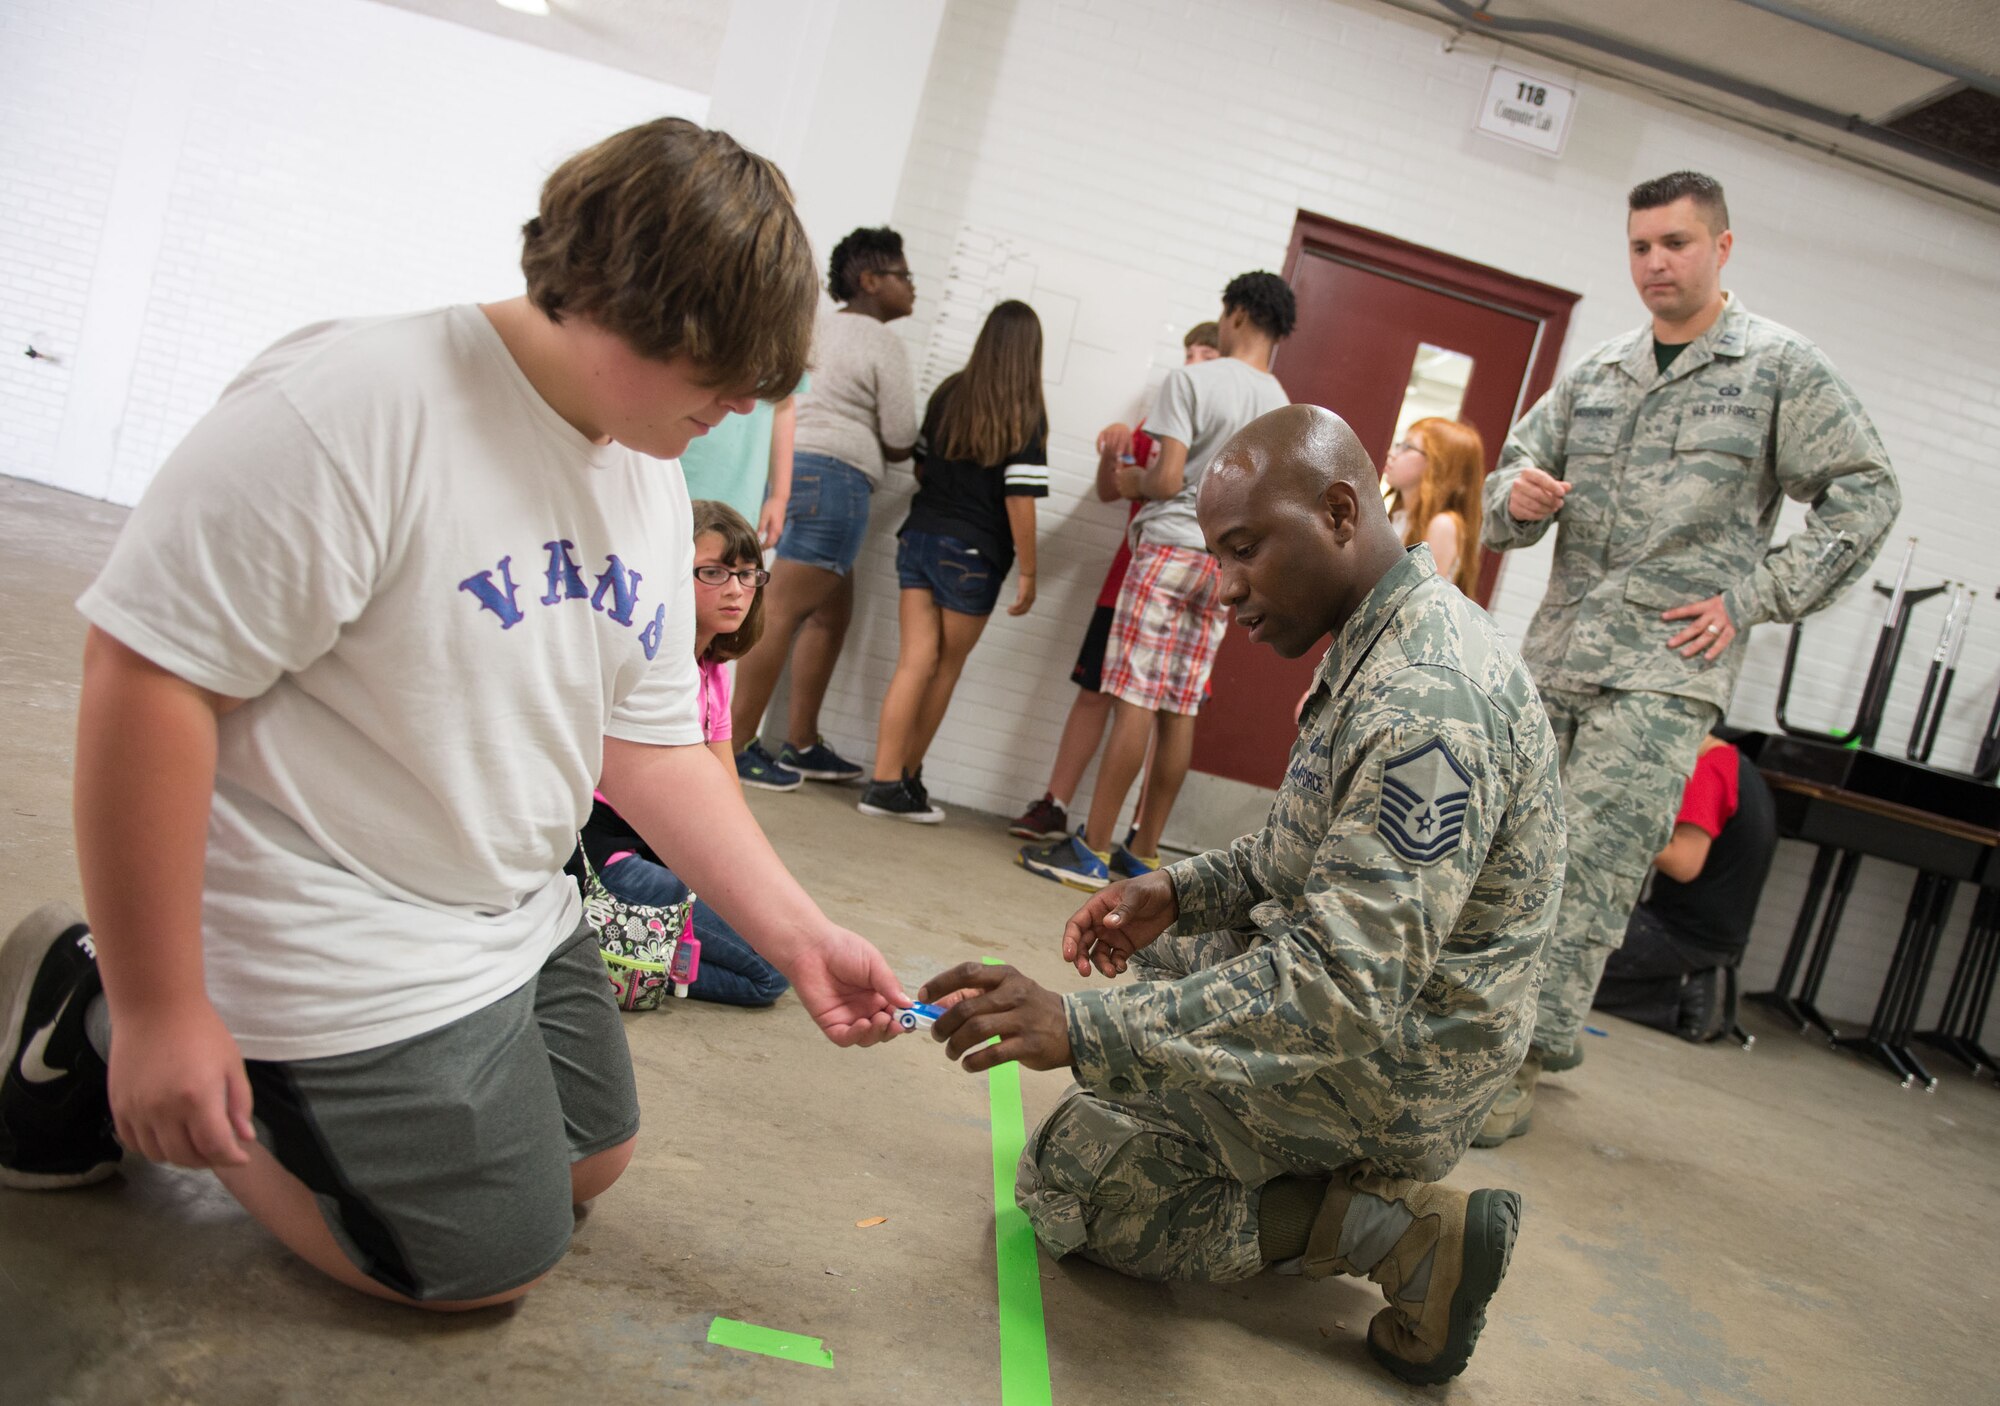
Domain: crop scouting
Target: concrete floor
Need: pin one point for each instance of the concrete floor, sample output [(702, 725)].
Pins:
[(1702, 1225)]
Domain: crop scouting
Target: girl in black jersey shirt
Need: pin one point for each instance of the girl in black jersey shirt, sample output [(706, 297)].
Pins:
[(982, 461)]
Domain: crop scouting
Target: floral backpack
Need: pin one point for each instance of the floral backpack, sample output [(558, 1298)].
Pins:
[(639, 943)]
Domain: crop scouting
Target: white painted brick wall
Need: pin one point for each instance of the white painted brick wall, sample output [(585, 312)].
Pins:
[(1180, 141), (341, 158), (66, 72)]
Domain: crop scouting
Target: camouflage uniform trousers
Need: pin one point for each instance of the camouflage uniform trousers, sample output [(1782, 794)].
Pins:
[(1161, 1185), (1625, 758)]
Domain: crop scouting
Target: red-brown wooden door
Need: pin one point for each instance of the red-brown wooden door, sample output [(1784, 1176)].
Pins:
[(1366, 303)]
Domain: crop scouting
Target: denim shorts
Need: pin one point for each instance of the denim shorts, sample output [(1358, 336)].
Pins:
[(959, 577), (827, 514)]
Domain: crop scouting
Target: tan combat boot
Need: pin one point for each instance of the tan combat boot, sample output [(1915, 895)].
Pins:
[(1514, 1109), (1438, 1254)]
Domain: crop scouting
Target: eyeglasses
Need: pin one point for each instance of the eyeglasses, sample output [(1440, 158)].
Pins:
[(902, 273), (750, 576), (1410, 444)]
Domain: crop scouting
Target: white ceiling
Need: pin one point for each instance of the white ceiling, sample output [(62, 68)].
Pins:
[(1751, 46), (1965, 31), (678, 42), (674, 41)]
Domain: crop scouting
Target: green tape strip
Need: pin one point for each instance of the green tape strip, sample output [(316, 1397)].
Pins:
[(1024, 1340), (772, 1342)]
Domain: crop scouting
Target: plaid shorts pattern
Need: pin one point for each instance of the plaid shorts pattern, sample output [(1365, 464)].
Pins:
[(1166, 629)]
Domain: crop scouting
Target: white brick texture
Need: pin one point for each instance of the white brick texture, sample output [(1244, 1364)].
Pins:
[(1180, 141), (340, 158), (66, 73), (343, 157)]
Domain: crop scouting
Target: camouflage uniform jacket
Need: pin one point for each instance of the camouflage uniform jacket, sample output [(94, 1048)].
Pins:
[(1676, 480), (1395, 904)]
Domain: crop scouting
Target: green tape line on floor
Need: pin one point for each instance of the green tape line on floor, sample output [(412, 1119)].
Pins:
[(1024, 1341), (772, 1342)]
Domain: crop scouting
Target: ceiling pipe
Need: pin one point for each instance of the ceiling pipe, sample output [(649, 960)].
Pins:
[(1478, 19), (1970, 77)]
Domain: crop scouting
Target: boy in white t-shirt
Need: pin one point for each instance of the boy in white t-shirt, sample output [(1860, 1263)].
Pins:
[(387, 614)]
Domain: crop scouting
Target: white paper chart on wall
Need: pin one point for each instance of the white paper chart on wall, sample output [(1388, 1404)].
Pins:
[(988, 267), (1103, 326), (985, 268)]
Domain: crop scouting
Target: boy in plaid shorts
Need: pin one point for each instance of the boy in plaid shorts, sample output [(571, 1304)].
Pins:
[(1169, 618), (1121, 451)]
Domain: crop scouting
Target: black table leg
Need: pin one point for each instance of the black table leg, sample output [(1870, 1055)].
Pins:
[(1957, 1030), (1779, 997), (1974, 1029), (1943, 894), (1956, 996), (1875, 1042), (1829, 929)]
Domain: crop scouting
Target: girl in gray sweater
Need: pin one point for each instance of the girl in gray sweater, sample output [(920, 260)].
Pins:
[(858, 417)]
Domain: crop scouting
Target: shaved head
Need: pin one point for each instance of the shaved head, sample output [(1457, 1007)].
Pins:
[(1293, 512), (1298, 453)]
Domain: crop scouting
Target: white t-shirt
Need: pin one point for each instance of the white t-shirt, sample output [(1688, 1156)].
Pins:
[(440, 598)]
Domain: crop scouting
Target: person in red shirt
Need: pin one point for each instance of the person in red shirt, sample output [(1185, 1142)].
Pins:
[(1695, 922), (1121, 452)]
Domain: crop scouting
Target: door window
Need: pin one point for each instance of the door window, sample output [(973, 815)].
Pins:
[(1438, 378)]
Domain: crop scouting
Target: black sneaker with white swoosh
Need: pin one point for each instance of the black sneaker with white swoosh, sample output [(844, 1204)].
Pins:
[(55, 1105)]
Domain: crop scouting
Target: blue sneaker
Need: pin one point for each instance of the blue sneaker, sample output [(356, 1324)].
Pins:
[(754, 767), (1067, 861), (818, 762), (1127, 865)]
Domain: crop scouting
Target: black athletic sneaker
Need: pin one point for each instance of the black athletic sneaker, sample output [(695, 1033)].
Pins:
[(898, 800), (55, 1106), (819, 762)]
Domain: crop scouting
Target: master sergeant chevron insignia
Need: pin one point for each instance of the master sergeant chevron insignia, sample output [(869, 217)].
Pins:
[(1422, 810)]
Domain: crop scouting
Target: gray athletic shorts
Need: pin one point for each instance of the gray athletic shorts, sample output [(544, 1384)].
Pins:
[(442, 1162)]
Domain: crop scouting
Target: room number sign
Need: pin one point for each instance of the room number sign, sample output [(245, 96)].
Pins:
[(1526, 109)]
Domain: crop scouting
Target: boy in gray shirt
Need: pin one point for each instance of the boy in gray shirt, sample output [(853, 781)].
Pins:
[(1170, 617), (1201, 407)]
